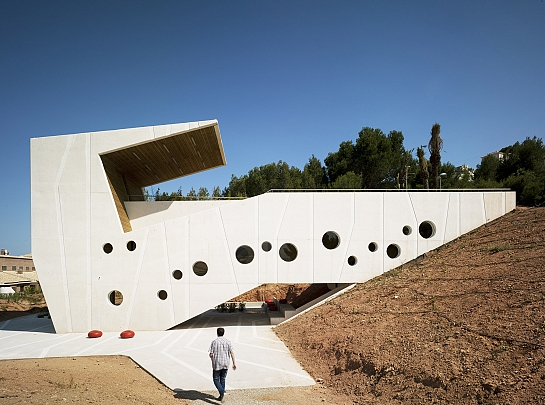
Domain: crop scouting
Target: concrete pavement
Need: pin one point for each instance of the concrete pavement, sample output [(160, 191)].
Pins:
[(178, 357)]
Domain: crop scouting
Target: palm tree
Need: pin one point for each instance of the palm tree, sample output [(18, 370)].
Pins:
[(435, 146), (424, 175)]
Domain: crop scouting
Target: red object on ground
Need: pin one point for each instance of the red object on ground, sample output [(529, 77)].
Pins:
[(273, 308), (284, 301), (94, 333), (127, 334), (269, 301), (271, 304)]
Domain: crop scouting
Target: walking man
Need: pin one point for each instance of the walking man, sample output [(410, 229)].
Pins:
[(220, 351)]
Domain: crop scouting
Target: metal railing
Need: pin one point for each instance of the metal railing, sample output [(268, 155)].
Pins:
[(384, 190)]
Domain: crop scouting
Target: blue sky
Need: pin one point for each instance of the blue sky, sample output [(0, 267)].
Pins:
[(285, 79)]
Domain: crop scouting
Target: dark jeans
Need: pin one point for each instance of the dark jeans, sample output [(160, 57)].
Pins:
[(219, 380)]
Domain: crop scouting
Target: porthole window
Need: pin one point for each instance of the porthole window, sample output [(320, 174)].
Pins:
[(115, 297), (373, 247), (108, 248), (407, 230), (426, 229), (162, 294), (266, 246), (331, 240), (131, 245), (245, 254), (200, 268), (177, 274), (288, 252), (393, 251), (352, 260)]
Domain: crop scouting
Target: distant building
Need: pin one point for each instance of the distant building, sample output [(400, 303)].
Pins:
[(498, 155), (464, 171), (17, 272)]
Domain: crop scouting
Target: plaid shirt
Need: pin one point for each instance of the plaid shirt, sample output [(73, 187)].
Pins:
[(221, 349)]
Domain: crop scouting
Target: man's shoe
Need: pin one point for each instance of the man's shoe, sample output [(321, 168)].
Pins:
[(220, 398)]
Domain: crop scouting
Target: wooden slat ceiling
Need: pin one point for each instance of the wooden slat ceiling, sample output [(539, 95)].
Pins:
[(170, 157)]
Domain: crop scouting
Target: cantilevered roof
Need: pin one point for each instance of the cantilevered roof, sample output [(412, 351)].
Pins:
[(170, 157)]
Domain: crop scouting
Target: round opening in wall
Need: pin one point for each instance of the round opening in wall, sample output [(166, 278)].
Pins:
[(373, 247), (162, 294), (115, 297), (108, 248), (288, 252), (426, 229), (393, 251), (245, 254), (352, 260), (331, 240), (177, 274), (200, 268), (131, 245), (266, 246), (407, 230)]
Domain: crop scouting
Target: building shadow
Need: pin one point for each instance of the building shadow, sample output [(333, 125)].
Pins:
[(36, 322), (192, 395), (213, 318)]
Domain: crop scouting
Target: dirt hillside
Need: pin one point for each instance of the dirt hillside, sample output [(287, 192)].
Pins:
[(464, 325)]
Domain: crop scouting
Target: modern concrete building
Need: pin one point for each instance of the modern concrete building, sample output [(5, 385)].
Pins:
[(109, 260)]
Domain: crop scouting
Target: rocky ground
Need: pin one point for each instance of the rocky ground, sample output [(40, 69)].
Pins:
[(464, 325)]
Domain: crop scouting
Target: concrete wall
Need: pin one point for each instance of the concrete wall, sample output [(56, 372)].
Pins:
[(74, 218)]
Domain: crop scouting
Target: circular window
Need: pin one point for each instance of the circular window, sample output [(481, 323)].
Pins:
[(393, 251), (115, 297), (266, 246), (177, 274), (108, 248), (426, 229), (200, 268), (407, 230), (331, 240), (131, 245), (288, 252), (352, 260), (373, 247), (245, 254), (162, 295)]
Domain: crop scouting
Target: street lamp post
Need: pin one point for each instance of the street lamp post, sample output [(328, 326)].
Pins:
[(441, 175)]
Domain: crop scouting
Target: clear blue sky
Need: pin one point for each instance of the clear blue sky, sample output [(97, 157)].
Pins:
[(285, 79)]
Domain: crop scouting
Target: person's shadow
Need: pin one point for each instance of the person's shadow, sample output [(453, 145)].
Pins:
[(194, 396)]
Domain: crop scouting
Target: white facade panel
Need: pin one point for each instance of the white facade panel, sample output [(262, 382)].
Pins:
[(74, 217)]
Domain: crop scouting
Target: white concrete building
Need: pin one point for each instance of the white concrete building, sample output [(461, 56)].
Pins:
[(108, 260)]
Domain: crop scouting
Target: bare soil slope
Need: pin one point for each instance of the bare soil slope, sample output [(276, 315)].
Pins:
[(464, 325)]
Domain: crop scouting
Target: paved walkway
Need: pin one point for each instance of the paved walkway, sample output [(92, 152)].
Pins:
[(178, 358)]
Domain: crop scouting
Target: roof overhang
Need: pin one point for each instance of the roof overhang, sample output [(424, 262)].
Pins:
[(170, 157)]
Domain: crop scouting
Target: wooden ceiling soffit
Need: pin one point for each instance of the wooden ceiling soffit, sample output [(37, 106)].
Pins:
[(169, 157)]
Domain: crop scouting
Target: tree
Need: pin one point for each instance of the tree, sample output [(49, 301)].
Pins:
[(488, 168), (203, 193), (434, 146), (375, 157), (423, 164), (379, 157), (340, 162), (313, 176), (192, 195), (348, 180)]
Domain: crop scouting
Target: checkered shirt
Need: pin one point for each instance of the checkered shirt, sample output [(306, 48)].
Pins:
[(221, 349)]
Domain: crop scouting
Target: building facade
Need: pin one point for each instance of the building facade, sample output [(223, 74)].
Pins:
[(109, 260)]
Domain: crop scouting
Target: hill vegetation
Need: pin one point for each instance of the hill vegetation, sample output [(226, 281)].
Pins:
[(381, 161)]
